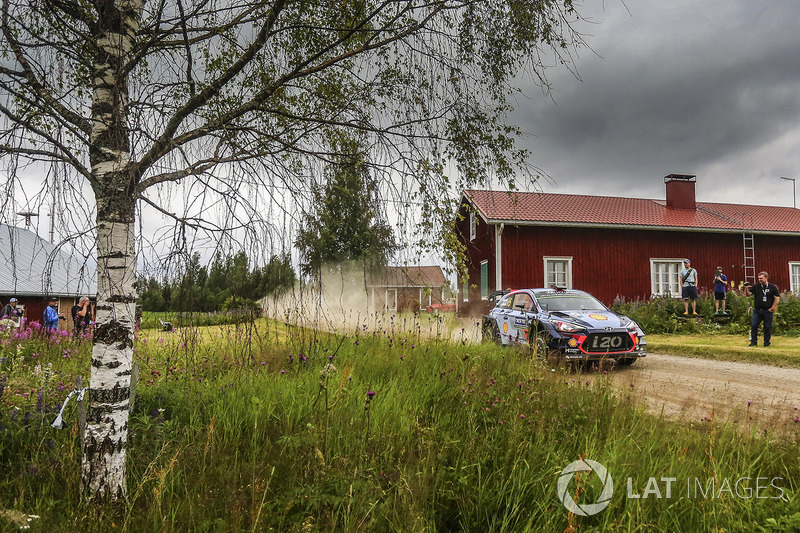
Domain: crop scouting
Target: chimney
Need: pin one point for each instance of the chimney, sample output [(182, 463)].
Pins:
[(680, 191)]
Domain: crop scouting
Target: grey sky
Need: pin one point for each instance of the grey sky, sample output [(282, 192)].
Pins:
[(708, 88)]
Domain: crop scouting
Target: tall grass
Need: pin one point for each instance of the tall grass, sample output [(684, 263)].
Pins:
[(281, 428)]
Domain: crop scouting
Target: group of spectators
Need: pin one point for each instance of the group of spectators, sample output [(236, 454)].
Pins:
[(82, 314), (765, 299)]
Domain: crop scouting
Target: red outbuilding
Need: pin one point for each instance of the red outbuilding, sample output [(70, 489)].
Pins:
[(618, 247)]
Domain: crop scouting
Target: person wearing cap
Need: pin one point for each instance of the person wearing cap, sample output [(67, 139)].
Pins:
[(689, 287), (720, 288), (10, 310), (51, 315), (765, 302)]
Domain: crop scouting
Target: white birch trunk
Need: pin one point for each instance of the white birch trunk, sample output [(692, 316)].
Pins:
[(112, 358), (104, 449)]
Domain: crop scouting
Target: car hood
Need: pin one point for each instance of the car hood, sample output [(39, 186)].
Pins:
[(594, 319)]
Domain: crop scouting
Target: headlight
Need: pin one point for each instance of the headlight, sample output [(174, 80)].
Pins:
[(567, 327)]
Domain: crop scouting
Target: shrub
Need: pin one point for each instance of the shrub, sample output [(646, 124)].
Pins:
[(663, 314)]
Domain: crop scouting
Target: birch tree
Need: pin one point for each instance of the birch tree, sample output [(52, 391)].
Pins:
[(229, 97)]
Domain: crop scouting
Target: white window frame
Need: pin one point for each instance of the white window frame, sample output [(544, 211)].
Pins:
[(465, 289), (567, 260), (422, 291), (794, 277), (394, 308), (473, 226), (674, 267)]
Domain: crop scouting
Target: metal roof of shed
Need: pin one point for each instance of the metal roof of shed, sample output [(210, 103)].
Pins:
[(31, 266)]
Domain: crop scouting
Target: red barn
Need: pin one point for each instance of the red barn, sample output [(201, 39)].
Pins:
[(621, 247)]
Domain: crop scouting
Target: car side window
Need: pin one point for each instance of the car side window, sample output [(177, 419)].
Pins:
[(505, 303), (523, 302)]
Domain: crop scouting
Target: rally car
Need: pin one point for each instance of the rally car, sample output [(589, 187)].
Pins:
[(564, 325)]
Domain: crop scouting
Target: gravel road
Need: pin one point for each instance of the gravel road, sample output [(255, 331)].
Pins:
[(760, 397)]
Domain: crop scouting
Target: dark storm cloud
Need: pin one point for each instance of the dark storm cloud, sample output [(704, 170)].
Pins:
[(708, 88)]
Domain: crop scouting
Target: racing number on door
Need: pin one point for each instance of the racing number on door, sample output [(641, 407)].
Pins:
[(606, 342)]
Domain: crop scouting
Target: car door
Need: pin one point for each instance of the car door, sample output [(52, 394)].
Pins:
[(502, 317), (518, 317)]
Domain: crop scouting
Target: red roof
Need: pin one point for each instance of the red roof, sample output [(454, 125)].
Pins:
[(411, 276), (525, 208)]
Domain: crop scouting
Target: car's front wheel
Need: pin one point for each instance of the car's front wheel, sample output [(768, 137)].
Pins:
[(541, 350), (627, 361)]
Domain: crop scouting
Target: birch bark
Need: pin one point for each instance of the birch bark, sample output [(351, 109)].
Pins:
[(104, 451)]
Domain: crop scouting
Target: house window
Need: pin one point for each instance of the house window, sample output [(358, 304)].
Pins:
[(473, 226), (484, 280), (425, 296), (391, 299), (558, 272), (665, 277), (465, 289), (794, 277)]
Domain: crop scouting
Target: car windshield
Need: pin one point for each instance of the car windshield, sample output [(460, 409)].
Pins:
[(569, 302)]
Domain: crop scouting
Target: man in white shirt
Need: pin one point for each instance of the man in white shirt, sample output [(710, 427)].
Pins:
[(689, 287)]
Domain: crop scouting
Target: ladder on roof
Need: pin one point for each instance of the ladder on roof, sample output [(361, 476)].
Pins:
[(748, 242)]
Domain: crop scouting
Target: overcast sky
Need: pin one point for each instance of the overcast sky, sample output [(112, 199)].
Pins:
[(710, 88)]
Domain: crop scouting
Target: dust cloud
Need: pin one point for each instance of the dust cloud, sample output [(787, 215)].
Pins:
[(347, 300)]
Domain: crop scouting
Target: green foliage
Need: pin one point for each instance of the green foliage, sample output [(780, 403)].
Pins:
[(242, 430), (346, 224), (664, 315), (227, 283)]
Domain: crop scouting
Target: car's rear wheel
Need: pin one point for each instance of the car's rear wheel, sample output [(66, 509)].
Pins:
[(490, 332)]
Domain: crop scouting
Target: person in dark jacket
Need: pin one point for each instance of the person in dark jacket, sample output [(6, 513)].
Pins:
[(10, 310), (765, 302)]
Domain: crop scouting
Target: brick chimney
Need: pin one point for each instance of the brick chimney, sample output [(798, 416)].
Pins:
[(680, 191)]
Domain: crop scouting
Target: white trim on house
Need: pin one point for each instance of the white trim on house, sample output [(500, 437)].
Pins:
[(394, 300), (665, 276), (498, 256), (559, 277), (473, 226), (794, 277)]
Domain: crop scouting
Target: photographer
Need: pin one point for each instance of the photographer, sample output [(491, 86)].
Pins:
[(81, 316)]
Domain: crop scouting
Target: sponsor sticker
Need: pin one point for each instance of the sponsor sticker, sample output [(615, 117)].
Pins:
[(597, 316)]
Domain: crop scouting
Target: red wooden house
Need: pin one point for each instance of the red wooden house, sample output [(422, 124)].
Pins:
[(621, 247), (407, 288)]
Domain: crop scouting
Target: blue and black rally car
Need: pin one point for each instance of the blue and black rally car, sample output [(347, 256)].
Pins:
[(564, 325)]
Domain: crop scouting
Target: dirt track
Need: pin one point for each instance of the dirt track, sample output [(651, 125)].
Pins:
[(753, 396)]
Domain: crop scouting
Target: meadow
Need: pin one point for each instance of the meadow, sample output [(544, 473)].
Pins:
[(264, 426)]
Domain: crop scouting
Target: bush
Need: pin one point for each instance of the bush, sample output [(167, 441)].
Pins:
[(662, 314)]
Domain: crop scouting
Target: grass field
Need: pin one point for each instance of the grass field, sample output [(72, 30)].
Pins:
[(267, 427), (784, 350)]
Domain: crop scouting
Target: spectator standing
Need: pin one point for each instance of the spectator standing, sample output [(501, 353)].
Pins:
[(10, 311), (720, 291), (51, 316), (765, 303), (81, 316), (689, 287)]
